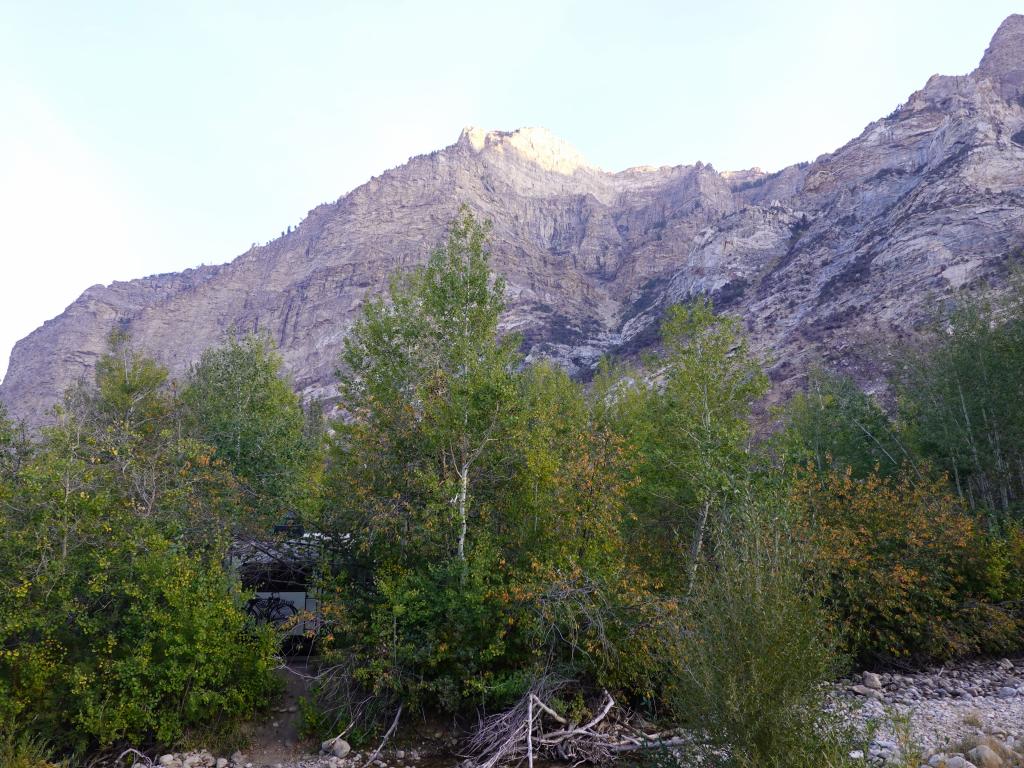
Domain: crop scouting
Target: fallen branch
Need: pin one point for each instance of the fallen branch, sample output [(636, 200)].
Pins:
[(535, 700), (632, 745), (529, 732), (380, 747), (519, 734), (132, 751)]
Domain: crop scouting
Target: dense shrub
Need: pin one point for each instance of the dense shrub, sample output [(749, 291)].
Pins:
[(910, 573), (1004, 566), (759, 650), (21, 749), (121, 636), (118, 620)]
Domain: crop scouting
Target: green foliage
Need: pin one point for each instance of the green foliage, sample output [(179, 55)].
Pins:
[(130, 389), (484, 501), (758, 651), (156, 642), (15, 448), (313, 721), (123, 438), (690, 424), (921, 566), (429, 388), (117, 619), (909, 571), (960, 401), (489, 525), (237, 400), (110, 632), (832, 423), (430, 393), (593, 614), (1003, 564), (20, 749)]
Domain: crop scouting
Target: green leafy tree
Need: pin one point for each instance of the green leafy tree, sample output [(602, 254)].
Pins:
[(596, 617), (429, 389), (833, 423), (125, 434), (960, 397), (237, 400), (130, 390), (483, 501), (690, 421), (117, 618), (125, 424)]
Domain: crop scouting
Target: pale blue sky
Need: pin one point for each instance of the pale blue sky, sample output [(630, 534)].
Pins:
[(143, 137)]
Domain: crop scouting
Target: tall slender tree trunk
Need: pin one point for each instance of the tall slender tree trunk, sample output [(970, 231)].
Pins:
[(697, 543), (463, 517)]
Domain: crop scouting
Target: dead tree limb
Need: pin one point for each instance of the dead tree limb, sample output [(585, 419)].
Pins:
[(133, 751), (519, 734), (529, 731), (380, 747)]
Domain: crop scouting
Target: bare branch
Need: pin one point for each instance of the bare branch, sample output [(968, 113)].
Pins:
[(391, 730)]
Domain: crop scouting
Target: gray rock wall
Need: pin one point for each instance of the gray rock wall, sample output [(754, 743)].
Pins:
[(829, 260)]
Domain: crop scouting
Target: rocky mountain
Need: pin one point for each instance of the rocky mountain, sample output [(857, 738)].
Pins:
[(827, 259)]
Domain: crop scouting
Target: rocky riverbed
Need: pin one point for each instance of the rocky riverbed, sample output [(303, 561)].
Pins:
[(969, 715), (334, 754)]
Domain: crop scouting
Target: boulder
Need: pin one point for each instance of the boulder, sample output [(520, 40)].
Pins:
[(337, 747), (873, 681), (983, 756)]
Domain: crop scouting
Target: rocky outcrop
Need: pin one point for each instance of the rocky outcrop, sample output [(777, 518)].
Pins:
[(825, 259)]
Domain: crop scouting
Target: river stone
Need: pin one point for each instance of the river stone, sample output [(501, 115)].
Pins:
[(983, 756)]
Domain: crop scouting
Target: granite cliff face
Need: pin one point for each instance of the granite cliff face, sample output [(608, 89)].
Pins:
[(824, 260)]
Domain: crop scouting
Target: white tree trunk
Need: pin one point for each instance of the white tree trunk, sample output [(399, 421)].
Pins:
[(698, 540), (463, 521)]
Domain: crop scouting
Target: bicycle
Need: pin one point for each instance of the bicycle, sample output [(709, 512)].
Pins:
[(270, 610)]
